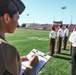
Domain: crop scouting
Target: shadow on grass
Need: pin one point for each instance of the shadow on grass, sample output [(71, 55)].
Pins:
[(65, 54), (61, 57), (65, 50)]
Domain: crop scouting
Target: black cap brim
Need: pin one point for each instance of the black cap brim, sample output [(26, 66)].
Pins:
[(19, 5)]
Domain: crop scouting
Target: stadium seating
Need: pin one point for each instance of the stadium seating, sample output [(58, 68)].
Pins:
[(48, 26)]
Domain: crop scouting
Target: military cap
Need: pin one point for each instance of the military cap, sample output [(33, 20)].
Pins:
[(12, 5)]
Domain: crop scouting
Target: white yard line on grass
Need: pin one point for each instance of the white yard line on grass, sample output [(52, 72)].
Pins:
[(43, 39), (18, 40), (30, 38)]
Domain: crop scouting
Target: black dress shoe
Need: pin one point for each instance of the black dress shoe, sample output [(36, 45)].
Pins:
[(51, 55), (63, 48), (58, 52), (70, 61)]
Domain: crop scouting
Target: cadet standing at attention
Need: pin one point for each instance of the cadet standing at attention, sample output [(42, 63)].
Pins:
[(65, 37), (72, 40), (52, 37), (60, 36)]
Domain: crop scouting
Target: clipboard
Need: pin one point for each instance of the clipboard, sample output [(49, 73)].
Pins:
[(43, 59)]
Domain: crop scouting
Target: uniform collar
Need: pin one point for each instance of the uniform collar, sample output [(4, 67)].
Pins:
[(1, 34)]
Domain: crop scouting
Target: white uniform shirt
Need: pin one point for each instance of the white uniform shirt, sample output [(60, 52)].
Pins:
[(60, 32), (52, 34), (73, 38), (66, 31)]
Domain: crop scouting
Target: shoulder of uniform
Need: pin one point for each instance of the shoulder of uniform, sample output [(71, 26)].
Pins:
[(2, 41)]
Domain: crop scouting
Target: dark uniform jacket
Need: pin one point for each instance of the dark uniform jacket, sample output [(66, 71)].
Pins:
[(9, 58), (10, 63)]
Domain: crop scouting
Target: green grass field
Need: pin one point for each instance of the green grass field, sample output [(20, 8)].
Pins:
[(25, 40)]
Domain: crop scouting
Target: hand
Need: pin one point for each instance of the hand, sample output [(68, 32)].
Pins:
[(23, 58), (33, 61)]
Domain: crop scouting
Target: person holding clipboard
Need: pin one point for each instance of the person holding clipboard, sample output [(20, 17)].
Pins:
[(10, 61)]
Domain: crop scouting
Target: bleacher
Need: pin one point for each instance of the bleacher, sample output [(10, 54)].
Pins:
[(71, 27), (32, 26), (44, 26), (39, 26), (48, 26)]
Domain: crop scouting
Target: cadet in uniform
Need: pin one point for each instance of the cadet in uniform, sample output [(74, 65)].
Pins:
[(52, 37), (10, 61), (70, 48), (60, 36), (65, 37), (72, 40)]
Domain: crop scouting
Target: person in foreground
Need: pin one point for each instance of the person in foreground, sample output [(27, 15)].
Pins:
[(72, 40), (10, 61)]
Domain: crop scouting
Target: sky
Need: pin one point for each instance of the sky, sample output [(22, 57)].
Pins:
[(47, 11)]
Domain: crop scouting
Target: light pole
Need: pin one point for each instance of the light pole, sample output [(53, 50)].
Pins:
[(27, 17), (54, 18), (63, 8), (71, 19)]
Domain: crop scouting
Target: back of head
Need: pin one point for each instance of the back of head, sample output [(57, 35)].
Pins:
[(66, 26), (74, 29), (53, 28), (11, 7), (60, 26)]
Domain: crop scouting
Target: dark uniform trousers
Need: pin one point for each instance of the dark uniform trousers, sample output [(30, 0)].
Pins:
[(73, 61), (65, 42), (59, 43), (70, 51), (52, 46)]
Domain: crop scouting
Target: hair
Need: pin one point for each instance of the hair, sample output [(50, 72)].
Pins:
[(53, 28), (67, 26), (60, 26), (9, 8)]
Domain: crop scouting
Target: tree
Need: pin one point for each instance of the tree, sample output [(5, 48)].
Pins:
[(23, 25), (18, 26)]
